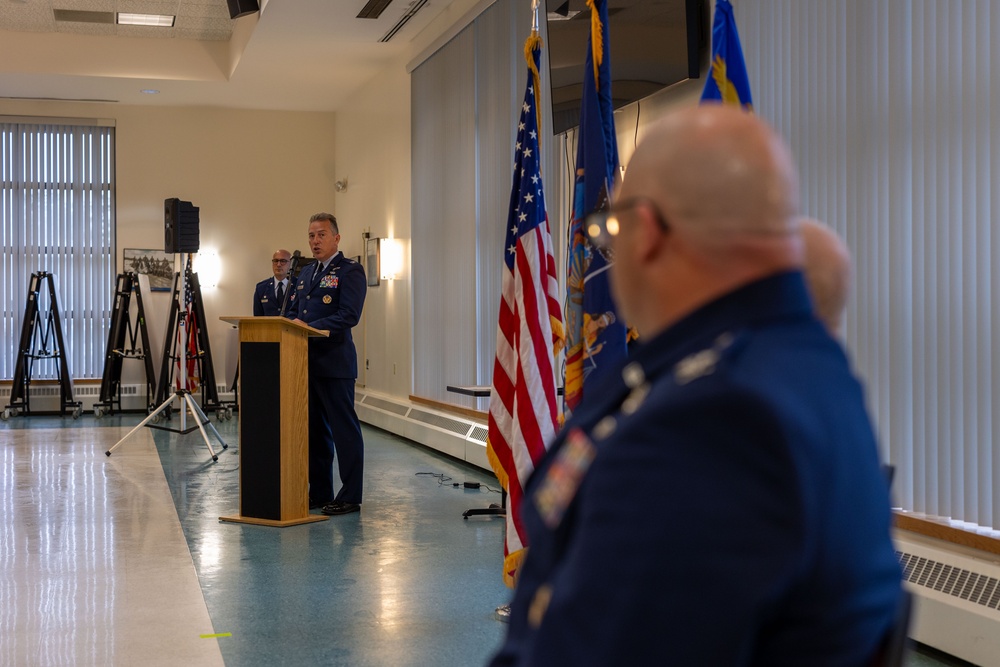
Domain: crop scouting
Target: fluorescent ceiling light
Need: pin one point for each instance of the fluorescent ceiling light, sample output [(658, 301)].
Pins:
[(159, 20)]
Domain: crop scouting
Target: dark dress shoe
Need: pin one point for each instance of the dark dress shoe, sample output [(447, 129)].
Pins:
[(317, 504), (337, 507)]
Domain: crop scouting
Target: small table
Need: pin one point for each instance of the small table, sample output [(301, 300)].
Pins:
[(478, 391)]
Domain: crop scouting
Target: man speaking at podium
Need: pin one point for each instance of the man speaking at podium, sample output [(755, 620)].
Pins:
[(329, 295)]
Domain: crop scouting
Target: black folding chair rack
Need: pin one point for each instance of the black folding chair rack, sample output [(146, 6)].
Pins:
[(41, 339), (123, 344)]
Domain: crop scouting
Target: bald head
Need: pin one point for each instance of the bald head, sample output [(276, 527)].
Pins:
[(709, 203), (280, 263), (828, 272), (716, 170)]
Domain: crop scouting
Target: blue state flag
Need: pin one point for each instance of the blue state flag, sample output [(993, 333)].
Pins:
[(594, 333), (727, 81)]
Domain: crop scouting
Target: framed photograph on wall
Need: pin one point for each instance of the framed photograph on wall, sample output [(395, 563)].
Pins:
[(156, 264), (371, 262)]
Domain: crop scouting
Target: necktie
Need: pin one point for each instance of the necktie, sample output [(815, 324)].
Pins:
[(319, 270), (281, 293)]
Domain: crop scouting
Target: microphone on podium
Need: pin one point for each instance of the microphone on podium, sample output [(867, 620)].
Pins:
[(296, 256)]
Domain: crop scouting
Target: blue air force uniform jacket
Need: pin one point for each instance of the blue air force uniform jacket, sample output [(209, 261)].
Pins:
[(264, 300), (718, 500), (332, 302)]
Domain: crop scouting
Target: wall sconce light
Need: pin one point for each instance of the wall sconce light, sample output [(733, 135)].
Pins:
[(391, 258), (208, 266)]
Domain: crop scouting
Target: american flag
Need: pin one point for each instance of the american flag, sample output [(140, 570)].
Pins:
[(187, 334), (524, 412)]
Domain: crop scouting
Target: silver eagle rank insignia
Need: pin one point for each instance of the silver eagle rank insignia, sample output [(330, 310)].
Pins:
[(700, 364)]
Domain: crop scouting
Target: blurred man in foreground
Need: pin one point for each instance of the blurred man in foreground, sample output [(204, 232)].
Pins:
[(719, 500)]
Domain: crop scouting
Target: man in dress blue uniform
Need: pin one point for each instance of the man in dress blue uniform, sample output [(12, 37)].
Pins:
[(268, 294), (828, 272), (718, 500), (330, 294)]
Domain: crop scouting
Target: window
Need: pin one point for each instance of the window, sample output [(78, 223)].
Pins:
[(57, 214)]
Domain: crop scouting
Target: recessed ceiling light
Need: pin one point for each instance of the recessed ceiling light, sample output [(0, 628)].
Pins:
[(150, 91), (158, 20)]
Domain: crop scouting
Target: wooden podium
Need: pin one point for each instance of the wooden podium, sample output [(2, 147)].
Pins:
[(274, 421)]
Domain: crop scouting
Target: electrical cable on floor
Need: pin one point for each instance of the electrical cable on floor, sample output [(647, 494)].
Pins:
[(443, 480), (441, 477)]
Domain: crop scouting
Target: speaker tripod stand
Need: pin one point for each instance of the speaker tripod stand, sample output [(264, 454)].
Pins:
[(187, 401)]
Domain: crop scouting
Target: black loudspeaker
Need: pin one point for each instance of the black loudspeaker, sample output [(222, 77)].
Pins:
[(238, 8), (180, 226)]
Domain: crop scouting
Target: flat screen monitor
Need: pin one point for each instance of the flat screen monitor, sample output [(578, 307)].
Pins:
[(654, 44)]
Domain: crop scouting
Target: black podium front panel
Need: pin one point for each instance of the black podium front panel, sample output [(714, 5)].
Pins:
[(260, 430)]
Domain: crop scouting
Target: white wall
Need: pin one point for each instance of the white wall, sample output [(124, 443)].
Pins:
[(373, 153)]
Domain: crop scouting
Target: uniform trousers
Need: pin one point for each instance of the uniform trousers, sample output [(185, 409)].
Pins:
[(334, 427)]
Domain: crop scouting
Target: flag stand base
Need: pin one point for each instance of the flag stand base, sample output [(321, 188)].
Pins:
[(187, 403), (492, 510)]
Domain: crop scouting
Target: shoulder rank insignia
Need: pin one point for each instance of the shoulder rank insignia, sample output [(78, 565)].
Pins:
[(701, 363), (563, 477), (696, 365)]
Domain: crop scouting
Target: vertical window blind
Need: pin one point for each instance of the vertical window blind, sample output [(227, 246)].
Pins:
[(465, 102), (892, 110), (57, 214)]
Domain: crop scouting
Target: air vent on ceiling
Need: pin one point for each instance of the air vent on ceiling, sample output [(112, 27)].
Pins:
[(373, 9), (415, 7), (82, 16)]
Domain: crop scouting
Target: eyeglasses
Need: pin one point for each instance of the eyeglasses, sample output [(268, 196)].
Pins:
[(279, 261), (602, 226)]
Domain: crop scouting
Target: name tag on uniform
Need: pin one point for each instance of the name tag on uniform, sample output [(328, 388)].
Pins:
[(562, 479), (329, 281)]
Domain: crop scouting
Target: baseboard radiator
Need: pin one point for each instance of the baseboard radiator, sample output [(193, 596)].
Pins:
[(45, 397), (457, 436), (956, 597)]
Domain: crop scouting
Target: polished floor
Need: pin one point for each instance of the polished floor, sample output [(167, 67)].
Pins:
[(122, 560)]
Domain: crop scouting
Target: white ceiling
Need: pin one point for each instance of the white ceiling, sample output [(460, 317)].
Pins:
[(306, 55)]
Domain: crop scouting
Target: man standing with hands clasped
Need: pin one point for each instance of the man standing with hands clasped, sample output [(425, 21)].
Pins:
[(329, 295), (718, 500), (268, 294)]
